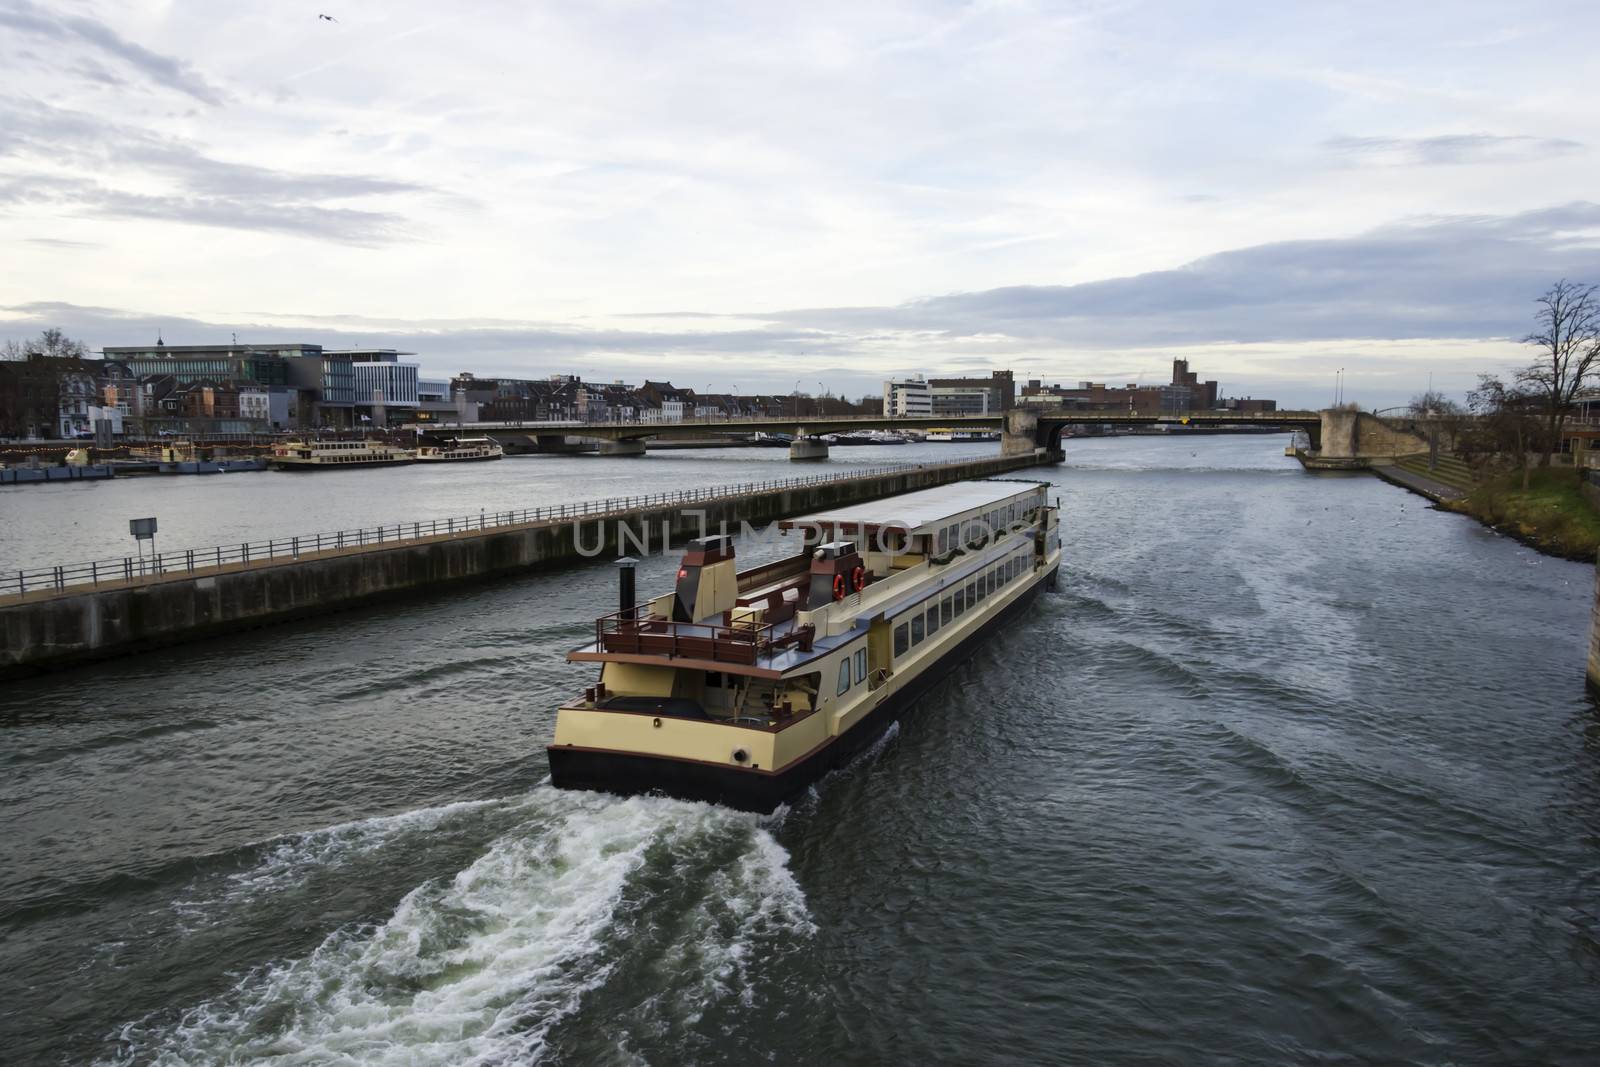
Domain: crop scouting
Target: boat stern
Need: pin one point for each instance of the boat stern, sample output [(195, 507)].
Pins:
[(637, 751)]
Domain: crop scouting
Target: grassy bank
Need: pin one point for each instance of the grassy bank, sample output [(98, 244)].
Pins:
[(1552, 514)]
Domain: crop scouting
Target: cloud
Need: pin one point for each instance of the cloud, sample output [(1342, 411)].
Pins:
[(206, 191), (1458, 276), (59, 242), (1450, 149), (66, 30), (1455, 277)]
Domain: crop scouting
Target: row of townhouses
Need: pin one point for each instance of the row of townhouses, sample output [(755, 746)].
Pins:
[(244, 388)]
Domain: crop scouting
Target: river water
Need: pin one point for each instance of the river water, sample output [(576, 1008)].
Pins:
[(1292, 768)]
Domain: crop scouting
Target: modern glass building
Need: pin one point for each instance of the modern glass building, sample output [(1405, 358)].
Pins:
[(263, 364)]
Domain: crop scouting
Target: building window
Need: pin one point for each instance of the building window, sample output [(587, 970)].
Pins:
[(933, 620), (861, 666), (844, 676), (945, 610), (902, 639)]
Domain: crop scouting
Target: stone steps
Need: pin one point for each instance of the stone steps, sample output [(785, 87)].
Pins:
[(1448, 470)]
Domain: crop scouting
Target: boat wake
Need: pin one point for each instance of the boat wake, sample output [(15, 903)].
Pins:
[(484, 967), (285, 862)]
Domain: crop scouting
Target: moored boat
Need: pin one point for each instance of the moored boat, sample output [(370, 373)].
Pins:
[(744, 688), (338, 455), (461, 450)]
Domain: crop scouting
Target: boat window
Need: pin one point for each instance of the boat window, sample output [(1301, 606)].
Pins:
[(960, 601), (944, 610), (972, 593), (944, 540), (933, 620), (954, 532), (983, 587), (844, 676), (902, 639), (916, 629), (991, 580), (861, 666)]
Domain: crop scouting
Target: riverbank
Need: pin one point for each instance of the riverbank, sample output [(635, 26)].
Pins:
[(1552, 514)]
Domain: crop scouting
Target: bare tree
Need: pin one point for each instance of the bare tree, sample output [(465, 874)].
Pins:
[(1438, 414), (1508, 419), (51, 342), (1433, 404), (1568, 340)]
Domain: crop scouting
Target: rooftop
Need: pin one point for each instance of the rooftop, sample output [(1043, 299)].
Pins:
[(924, 508)]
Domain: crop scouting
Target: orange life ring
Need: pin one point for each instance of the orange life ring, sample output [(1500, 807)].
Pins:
[(839, 587), (858, 578)]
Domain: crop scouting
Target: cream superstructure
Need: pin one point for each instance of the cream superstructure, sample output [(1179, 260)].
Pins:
[(335, 455), (743, 688), (461, 450)]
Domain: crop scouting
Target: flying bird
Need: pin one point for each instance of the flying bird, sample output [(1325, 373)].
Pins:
[(330, 18)]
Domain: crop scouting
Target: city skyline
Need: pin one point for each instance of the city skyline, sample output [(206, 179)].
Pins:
[(720, 195)]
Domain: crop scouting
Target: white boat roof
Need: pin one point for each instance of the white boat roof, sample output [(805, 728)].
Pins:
[(924, 508)]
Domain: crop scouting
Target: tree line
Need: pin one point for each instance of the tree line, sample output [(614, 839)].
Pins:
[(1523, 414)]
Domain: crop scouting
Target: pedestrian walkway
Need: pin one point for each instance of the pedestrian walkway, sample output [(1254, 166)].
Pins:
[(1449, 479)]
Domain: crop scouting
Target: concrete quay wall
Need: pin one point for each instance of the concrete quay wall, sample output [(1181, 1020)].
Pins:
[(78, 625)]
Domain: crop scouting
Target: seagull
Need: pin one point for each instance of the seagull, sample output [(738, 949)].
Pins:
[(330, 18)]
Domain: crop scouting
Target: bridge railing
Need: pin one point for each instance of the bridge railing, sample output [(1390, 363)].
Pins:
[(256, 553), (756, 422)]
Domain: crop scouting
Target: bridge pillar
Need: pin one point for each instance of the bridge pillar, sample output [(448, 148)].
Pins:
[(808, 448), (1021, 434), (1357, 439), (628, 446)]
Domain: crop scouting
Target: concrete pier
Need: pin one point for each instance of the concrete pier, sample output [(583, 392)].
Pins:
[(633, 446), (808, 448), (52, 629)]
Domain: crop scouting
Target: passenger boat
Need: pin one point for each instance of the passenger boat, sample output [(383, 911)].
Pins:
[(461, 450), (743, 688), (337, 455), (185, 457)]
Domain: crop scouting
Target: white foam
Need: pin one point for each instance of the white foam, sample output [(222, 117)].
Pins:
[(290, 859), (478, 970)]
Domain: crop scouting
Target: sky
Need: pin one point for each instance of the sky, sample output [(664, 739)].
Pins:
[(764, 197)]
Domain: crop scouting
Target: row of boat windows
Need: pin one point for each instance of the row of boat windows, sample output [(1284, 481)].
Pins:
[(350, 459), (982, 529), (927, 622)]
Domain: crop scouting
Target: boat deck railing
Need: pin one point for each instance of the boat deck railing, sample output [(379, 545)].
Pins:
[(638, 632)]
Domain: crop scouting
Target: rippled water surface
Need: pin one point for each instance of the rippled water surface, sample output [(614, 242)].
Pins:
[(1292, 768)]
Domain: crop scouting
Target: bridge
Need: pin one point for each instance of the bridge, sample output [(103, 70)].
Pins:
[(1022, 429)]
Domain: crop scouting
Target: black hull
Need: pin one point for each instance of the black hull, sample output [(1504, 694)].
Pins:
[(627, 773)]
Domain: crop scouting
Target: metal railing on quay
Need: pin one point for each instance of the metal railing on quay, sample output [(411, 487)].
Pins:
[(255, 553)]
